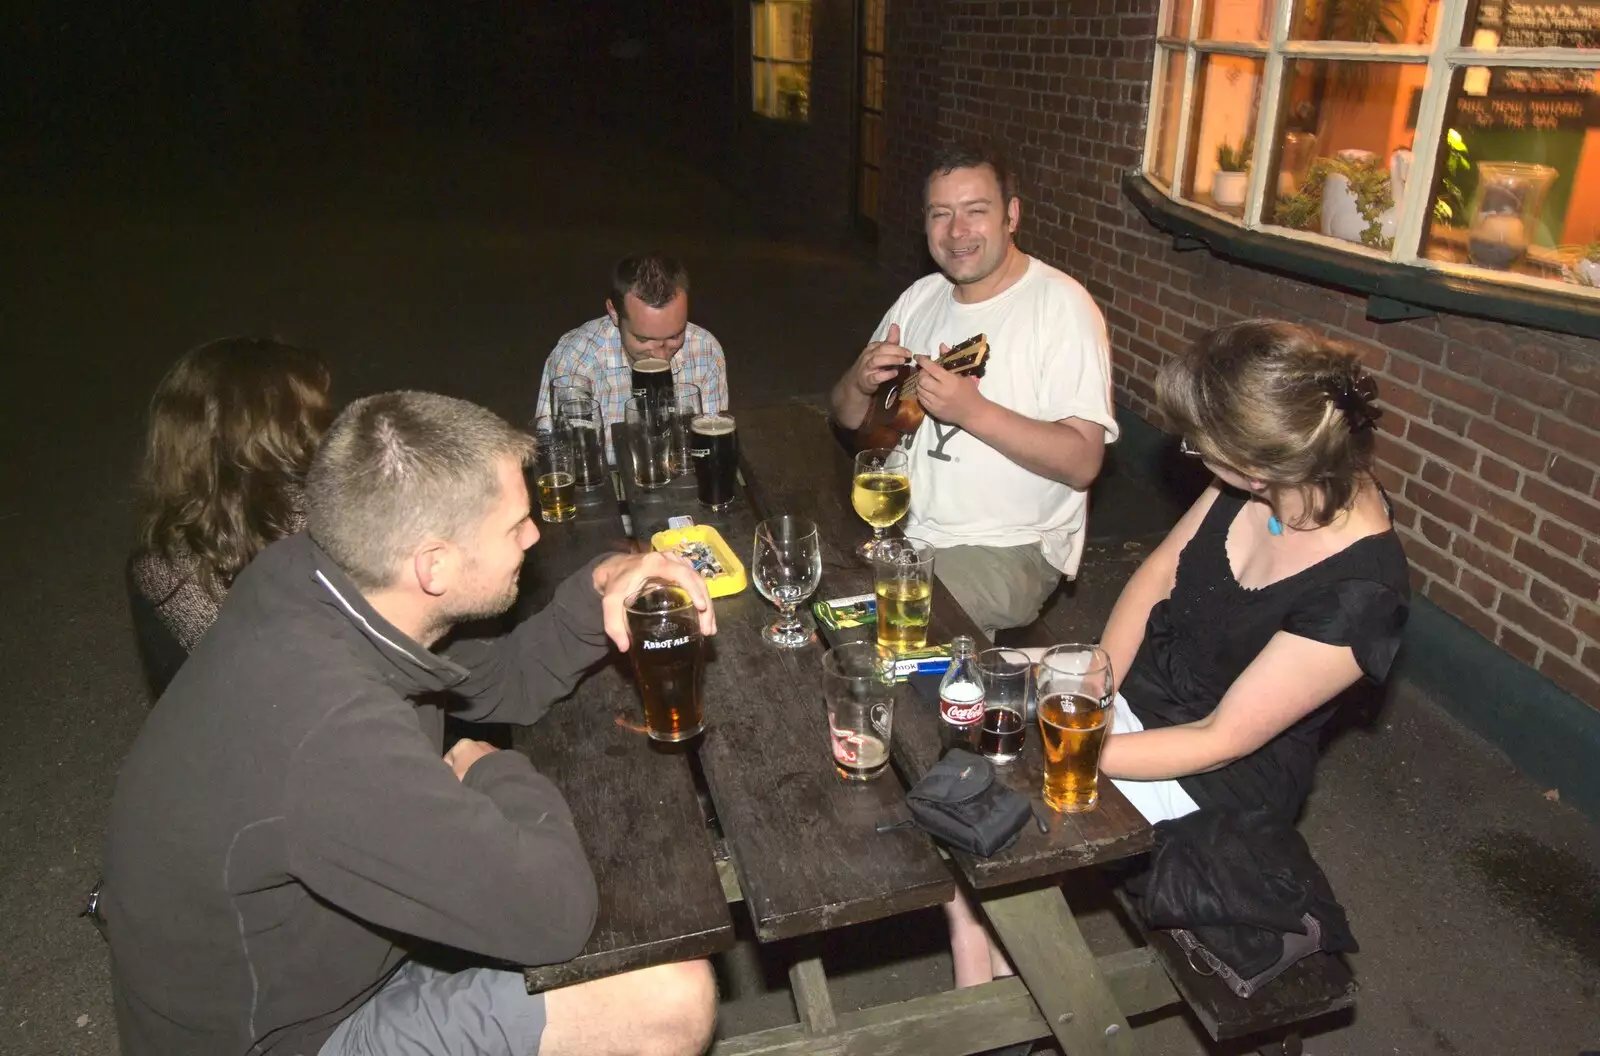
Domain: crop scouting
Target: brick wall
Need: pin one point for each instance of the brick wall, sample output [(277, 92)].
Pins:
[(799, 176), (1491, 436)]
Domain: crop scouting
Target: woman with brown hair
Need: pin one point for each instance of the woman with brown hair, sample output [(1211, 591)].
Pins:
[(1283, 586), (232, 430)]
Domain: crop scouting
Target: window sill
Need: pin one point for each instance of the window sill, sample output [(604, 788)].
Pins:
[(1394, 291)]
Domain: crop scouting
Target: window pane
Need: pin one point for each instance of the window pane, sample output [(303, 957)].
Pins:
[(1177, 23), (1344, 151), (791, 31), (792, 90), (872, 82), (1366, 21), (1514, 24), (760, 30), (874, 16), (1236, 20), (1518, 184), (1166, 143), (1228, 95), (761, 88)]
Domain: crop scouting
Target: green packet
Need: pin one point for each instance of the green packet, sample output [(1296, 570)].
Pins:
[(860, 610)]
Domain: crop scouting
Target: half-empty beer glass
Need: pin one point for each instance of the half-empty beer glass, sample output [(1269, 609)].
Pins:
[(858, 685), (668, 655), (1076, 691), (1007, 677), (554, 477)]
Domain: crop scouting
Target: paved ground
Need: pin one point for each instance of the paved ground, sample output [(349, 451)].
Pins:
[(452, 263)]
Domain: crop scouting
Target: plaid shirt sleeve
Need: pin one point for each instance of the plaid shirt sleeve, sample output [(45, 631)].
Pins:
[(582, 351)]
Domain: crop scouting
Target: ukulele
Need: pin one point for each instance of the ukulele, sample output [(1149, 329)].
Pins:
[(895, 411)]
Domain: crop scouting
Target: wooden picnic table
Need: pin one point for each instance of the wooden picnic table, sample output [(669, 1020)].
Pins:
[(803, 851)]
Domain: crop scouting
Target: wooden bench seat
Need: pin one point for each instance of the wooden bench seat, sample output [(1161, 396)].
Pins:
[(1312, 987)]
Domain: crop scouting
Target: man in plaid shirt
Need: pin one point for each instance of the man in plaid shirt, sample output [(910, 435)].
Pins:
[(647, 317)]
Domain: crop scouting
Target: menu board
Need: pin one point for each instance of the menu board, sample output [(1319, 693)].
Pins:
[(1523, 24)]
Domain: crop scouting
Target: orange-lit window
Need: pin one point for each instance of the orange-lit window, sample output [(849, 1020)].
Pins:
[(1457, 135), (780, 59)]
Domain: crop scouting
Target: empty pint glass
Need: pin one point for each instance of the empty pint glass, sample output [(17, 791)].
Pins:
[(649, 426), (902, 581), (1076, 692), (555, 477), (714, 446), (858, 685), (685, 409), (584, 423), (565, 387), (668, 655)]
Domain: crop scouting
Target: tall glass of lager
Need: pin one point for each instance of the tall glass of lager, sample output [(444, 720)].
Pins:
[(880, 491), (902, 580), (555, 477), (1076, 691), (714, 446), (668, 656)]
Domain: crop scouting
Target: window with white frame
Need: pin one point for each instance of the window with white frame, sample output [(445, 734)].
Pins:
[(780, 59), (1461, 136)]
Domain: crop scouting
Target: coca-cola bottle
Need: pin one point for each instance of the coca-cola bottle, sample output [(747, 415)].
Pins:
[(961, 699)]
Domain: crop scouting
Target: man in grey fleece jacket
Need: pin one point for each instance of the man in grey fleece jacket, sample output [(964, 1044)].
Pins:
[(286, 833)]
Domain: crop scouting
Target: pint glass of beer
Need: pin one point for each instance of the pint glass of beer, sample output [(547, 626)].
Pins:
[(1076, 691), (714, 446), (555, 476), (858, 685), (652, 378), (902, 580), (587, 427), (665, 642)]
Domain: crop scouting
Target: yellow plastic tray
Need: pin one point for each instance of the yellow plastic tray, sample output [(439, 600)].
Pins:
[(732, 579)]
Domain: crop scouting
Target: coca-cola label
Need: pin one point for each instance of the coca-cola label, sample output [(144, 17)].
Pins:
[(961, 712)]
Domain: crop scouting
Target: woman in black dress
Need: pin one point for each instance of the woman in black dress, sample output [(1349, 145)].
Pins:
[(232, 430), (1281, 587)]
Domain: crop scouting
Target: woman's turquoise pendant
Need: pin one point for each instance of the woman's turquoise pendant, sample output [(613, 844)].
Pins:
[(1274, 525)]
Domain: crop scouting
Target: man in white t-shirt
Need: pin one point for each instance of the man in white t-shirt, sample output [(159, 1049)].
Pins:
[(1001, 466)]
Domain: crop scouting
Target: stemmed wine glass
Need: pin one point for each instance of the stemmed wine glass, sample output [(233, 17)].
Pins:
[(786, 567), (880, 491)]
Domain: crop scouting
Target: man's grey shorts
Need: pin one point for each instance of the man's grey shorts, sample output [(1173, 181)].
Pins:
[(425, 1011)]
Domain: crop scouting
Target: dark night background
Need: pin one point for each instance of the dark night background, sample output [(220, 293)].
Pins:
[(181, 88)]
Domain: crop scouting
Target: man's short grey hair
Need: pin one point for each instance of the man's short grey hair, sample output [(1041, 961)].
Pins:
[(398, 469)]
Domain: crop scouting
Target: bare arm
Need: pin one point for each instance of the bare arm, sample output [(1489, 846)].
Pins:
[(852, 394), (1289, 679), (1150, 585), (1070, 450)]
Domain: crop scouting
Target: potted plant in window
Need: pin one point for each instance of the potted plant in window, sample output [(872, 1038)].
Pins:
[(1232, 175), (1589, 265), (1359, 196)]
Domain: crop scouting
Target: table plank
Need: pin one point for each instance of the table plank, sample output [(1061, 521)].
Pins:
[(804, 842), (640, 819), (635, 804), (793, 465)]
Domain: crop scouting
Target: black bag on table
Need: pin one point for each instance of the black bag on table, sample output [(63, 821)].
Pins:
[(959, 801)]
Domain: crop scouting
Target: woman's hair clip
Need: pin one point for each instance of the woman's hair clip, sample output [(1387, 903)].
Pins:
[(1353, 395)]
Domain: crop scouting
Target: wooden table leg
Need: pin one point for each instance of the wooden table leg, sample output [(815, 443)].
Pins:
[(1043, 943)]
